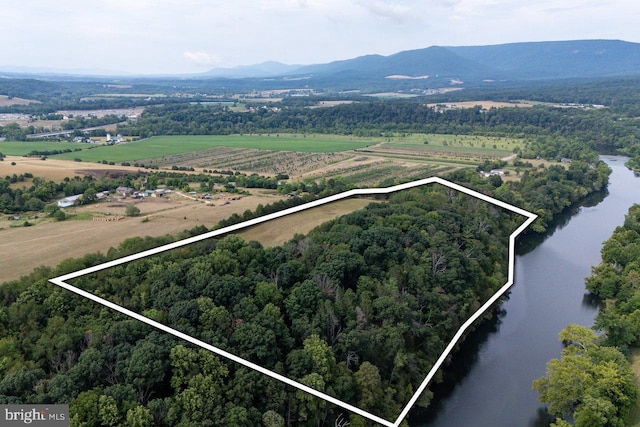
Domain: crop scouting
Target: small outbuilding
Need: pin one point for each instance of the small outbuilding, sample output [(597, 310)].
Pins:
[(69, 201), (124, 191)]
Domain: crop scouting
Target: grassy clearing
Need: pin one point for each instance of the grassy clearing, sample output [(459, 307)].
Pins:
[(281, 230), (465, 141)]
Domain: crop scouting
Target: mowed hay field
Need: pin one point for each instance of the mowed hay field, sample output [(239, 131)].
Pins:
[(48, 242), (281, 230), (56, 170)]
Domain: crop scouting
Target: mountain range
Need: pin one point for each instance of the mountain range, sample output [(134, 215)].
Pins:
[(512, 61)]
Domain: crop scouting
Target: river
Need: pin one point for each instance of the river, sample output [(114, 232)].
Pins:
[(489, 381)]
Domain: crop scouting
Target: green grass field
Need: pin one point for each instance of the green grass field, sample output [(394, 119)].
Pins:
[(167, 145), (471, 142), (20, 148)]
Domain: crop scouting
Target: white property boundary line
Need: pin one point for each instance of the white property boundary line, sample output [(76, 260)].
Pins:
[(62, 282)]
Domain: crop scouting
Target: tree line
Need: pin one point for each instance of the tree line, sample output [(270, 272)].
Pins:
[(37, 192)]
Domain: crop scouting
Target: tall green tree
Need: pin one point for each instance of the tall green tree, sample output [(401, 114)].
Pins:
[(590, 382)]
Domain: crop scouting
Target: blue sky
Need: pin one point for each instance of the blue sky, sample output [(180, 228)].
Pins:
[(188, 36)]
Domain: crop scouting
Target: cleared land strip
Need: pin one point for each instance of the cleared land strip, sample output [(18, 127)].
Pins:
[(283, 229)]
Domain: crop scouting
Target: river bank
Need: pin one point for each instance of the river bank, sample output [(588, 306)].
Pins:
[(489, 381)]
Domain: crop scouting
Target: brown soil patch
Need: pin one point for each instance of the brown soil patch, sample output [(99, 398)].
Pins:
[(47, 243)]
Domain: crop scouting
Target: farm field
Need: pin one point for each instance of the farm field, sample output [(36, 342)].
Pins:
[(281, 230), (365, 161), (433, 151), (360, 162), (410, 157), (170, 145), (474, 143), (49, 242), (263, 162)]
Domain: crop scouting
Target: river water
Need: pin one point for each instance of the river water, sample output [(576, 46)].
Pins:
[(489, 381)]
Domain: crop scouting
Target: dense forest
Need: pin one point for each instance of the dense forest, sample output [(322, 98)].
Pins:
[(360, 308), (593, 382)]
